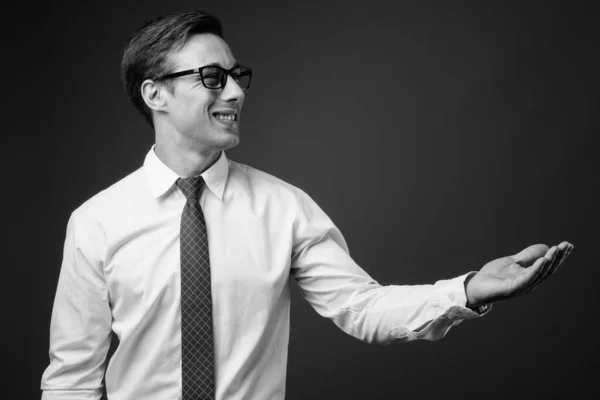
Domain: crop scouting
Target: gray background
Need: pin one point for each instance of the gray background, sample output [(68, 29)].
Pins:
[(437, 136)]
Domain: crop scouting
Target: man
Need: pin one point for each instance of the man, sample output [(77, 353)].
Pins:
[(187, 259)]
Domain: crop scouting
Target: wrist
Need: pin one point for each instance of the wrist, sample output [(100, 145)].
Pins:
[(473, 304)]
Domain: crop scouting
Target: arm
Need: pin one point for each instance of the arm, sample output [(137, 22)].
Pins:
[(337, 288), (81, 319)]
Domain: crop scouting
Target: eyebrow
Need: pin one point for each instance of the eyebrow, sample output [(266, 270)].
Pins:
[(215, 64)]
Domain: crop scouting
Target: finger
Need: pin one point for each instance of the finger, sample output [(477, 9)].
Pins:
[(556, 255), (565, 254), (530, 254), (548, 258), (570, 249), (564, 246), (530, 274), (557, 260)]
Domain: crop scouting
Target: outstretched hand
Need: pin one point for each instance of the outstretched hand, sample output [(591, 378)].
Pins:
[(511, 276)]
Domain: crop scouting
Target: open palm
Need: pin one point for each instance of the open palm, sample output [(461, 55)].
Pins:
[(511, 276)]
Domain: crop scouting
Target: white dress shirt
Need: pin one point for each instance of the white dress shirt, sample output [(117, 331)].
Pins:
[(121, 271)]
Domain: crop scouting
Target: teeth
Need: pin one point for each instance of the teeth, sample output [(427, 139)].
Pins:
[(224, 117)]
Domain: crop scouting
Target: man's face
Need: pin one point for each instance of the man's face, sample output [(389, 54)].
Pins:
[(192, 109)]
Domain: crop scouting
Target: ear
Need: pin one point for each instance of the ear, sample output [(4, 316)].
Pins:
[(153, 95)]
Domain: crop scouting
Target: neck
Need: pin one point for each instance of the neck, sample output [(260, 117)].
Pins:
[(184, 160)]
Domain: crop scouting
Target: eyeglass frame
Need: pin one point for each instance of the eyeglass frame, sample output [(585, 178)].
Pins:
[(227, 72)]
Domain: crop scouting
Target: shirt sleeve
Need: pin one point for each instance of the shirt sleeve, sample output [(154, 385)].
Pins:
[(337, 288), (80, 327)]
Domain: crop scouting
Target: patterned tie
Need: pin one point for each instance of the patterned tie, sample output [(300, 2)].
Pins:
[(197, 354)]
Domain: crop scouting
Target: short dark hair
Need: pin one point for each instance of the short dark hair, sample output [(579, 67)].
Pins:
[(146, 51)]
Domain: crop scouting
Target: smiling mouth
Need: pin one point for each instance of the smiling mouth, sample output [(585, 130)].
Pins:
[(226, 118)]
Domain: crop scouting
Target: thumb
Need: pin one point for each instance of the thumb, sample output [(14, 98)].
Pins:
[(528, 255)]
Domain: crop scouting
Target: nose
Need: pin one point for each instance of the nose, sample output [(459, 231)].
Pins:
[(232, 92)]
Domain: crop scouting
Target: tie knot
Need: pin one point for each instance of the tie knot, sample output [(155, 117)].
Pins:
[(191, 187)]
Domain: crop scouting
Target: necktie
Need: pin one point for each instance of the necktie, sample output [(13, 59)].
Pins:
[(197, 343)]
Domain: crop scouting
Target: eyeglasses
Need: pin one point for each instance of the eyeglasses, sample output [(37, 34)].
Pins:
[(215, 77)]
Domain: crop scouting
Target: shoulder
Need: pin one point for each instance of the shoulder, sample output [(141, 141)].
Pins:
[(116, 197), (244, 177)]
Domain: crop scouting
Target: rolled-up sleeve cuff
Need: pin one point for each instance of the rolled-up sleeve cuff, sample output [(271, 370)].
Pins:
[(452, 296)]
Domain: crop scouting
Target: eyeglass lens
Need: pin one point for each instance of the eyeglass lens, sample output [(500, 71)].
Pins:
[(216, 77)]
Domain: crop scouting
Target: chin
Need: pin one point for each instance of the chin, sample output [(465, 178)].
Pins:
[(228, 141), (233, 143)]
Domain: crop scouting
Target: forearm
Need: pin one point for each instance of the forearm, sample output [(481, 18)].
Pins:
[(404, 313), (339, 289)]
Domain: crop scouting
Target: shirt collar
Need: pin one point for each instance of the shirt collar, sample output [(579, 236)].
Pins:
[(161, 178)]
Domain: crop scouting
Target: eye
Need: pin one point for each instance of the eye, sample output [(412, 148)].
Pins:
[(211, 76), (239, 74)]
